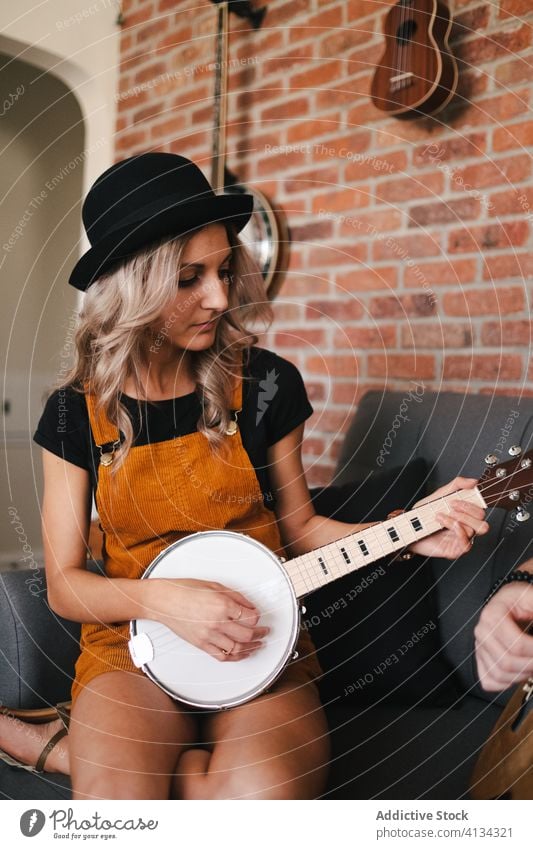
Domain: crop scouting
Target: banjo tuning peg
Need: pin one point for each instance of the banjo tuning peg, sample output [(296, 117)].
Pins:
[(491, 460), (515, 451), (522, 515)]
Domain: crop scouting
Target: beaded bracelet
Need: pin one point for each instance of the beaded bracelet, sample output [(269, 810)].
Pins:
[(525, 577)]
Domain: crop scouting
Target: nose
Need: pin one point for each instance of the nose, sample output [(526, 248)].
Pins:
[(214, 294)]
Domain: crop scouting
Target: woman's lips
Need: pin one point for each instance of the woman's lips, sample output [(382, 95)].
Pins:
[(207, 326)]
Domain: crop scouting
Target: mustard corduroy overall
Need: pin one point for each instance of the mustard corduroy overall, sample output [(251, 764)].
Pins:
[(164, 491)]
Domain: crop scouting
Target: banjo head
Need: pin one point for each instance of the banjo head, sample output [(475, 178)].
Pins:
[(190, 674)]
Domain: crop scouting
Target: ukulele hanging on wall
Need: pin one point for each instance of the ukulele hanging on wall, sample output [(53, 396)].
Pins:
[(417, 74)]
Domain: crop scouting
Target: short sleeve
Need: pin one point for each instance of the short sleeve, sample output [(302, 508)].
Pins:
[(282, 398), (63, 427)]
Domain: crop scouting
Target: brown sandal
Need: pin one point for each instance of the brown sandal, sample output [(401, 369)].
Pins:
[(38, 717)]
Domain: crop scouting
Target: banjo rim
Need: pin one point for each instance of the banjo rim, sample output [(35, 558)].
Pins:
[(282, 663)]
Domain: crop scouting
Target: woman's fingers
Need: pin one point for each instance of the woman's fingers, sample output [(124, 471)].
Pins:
[(243, 634)]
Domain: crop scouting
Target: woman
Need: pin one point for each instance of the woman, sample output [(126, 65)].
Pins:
[(166, 365)]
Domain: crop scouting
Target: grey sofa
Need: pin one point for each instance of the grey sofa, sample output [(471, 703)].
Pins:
[(408, 749)]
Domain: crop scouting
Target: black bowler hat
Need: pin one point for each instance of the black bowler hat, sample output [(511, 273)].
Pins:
[(144, 198)]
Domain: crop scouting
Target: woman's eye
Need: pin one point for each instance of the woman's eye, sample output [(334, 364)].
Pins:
[(187, 281), (226, 274)]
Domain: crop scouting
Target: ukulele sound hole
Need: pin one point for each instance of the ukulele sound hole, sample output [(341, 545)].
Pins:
[(406, 31)]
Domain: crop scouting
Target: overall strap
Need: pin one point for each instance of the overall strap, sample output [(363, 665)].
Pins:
[(104, 432)]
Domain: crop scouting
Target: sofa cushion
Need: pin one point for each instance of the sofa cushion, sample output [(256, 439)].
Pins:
[(376, 630)]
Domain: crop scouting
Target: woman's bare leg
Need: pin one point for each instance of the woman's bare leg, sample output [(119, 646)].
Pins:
[(125, 738), (275, 747)]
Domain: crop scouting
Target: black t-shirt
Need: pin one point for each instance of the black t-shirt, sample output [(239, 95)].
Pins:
[(274, 403)]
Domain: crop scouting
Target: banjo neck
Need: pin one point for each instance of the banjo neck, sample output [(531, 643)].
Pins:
[(221, 94), (315, 569)]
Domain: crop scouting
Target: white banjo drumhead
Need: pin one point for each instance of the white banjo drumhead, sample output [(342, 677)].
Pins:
[(241, 563)]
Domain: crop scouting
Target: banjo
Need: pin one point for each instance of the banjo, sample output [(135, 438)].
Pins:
[(266, 234), (276, 586)]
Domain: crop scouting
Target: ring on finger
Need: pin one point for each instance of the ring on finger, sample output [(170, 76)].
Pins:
[(228, 651)]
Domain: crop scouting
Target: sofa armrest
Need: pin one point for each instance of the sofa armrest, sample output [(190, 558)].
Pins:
[(38, 649)]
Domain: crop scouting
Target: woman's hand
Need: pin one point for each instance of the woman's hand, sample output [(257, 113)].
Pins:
[(212, 617), (464, 521), (504, 651)]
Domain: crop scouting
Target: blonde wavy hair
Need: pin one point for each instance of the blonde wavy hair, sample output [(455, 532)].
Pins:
[(113, 331)]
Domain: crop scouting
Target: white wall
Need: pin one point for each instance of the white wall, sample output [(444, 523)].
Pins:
[(59, 73)]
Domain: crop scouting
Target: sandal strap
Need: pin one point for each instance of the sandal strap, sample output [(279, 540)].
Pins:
[(39, 766)]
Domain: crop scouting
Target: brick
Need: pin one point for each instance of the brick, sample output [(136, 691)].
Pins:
[(317, 25), (168, 128), (368, 279), (498, 333), (483, 367), (448, 273), (381, 336), (176, 38), (148, 31), (520, 70), (405, 247), (133, 19), (337, 200), (286, 60), (424, 215), (319, 474), (286, 109), (250, 97), (357, 9), (336, 365), (348, 392), (317, 76), (488, 237), (345, 38), (411, 366), (130, 140), (498, 44), (507, 266), (345, 310), (307, 180), (364, 165), (402, 306), (286, 312), (315, 391), (310, 130), (512, 169), (409, 188), (436, 336), (515, 135), (467, 22), (512, 8), (150, 73), (304, 287), (371, 224), (278, 14), (155, 110), (311, 231), (273, 164), (168, 5), (300, 337), (446, 150), (344, 92), (344, 147), (493, 109), (512, 202), (314, 446), (336, 254), (484, 302)]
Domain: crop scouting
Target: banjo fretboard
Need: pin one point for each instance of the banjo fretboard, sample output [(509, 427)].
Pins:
[(315, 569)]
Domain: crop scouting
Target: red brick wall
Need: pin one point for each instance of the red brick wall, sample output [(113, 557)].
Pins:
[(411, 241)]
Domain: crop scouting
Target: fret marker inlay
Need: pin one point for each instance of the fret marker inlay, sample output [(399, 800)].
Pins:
[(345, 555), (323, 566), (362, 545), (417, 524), (393, 533)]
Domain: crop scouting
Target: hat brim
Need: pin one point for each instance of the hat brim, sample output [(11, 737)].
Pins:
[(172, 220)]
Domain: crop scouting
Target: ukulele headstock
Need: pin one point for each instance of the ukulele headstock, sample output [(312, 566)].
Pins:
[(510, 484)]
